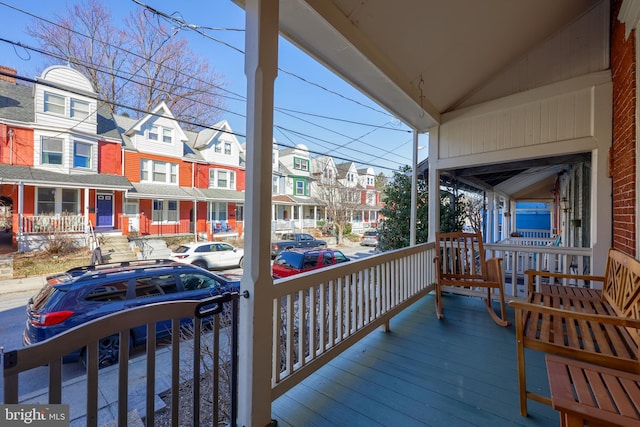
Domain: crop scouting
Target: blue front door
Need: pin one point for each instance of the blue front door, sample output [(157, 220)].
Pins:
[(104, 210)]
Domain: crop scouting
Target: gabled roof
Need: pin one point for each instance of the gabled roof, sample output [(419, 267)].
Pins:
[(161, 110), (16, 102)]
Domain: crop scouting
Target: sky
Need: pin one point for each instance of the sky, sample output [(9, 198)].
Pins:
[(324, 106)]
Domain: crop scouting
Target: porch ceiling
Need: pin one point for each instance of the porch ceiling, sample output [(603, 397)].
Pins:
[(422, 58)]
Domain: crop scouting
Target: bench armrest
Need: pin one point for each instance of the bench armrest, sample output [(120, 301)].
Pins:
[(531, 274), (626, 322)]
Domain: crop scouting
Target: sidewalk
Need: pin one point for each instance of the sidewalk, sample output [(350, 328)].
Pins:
[(24, 284)]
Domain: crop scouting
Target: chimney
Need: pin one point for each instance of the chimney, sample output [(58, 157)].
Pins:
[(12, 71)]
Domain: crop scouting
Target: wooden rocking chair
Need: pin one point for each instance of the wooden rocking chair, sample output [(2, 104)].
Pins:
[(460, 261)]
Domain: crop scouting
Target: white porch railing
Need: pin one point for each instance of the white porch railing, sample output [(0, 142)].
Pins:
[(39, 224), (518, 257), (318, 315), (284, 226)]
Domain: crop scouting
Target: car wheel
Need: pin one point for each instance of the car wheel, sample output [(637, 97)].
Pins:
[(200, 264), (241, 263), (108, 351)]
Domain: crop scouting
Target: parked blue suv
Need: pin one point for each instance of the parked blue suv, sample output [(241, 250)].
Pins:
[(85, 293)]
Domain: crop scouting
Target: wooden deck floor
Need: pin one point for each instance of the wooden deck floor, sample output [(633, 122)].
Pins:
[(461, 371)]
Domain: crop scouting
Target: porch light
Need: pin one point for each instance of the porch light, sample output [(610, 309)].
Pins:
[(564, 204)]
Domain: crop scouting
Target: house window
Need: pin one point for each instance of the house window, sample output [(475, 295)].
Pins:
[(227, 148), (81, 155), (51, 151), (70, 201), (217, 211), (79, 109), (46, 201), (218, 148), (167, 135), (370, 181), (300, 187), (239, 212), (153, 133), (300, 164), (219, 178), (275, 185), (165, 211), (161, 172), (131, 208), (350, 177), (54, 103)]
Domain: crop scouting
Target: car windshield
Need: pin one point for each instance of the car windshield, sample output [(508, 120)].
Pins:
[(370, 233), (181, 249)]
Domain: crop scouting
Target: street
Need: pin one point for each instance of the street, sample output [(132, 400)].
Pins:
[(13, 317)]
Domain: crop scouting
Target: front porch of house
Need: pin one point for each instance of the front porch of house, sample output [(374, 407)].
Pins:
[(460, 371)]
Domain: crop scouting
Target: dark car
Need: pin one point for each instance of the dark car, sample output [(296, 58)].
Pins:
[(86, 293), (295, 261)]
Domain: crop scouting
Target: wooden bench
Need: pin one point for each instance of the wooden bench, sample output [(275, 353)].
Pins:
[(595, 326), (585, 393), (460, 261)]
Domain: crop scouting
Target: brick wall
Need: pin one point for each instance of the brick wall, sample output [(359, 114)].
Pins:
[(623, 161)]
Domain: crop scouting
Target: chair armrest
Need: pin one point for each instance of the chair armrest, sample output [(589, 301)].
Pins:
[(626, 322)]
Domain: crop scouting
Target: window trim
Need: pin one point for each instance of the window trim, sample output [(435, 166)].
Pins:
[(43, 140), (47, 103), (73, 109), (303, 164), (231, 178), (147, 167), (89, 157)]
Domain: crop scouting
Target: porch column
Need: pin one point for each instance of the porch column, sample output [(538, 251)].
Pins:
[(434, 183), (489, 220), (496, 217), (414, 190), (195, 221), (20, 209), (256, 317), (601, 207)]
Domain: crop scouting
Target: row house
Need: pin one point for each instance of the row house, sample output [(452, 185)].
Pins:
[(68, 165)]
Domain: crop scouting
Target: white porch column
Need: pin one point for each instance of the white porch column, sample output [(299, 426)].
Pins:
[(256, 318), (488, 237), (434, 184), (414, 190), (600, 182), (496, 217), (20, 209)]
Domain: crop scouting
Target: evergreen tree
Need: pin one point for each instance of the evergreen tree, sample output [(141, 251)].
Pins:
[(394, 231)]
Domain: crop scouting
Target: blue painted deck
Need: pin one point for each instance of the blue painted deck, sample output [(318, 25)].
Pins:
[(461, 371)]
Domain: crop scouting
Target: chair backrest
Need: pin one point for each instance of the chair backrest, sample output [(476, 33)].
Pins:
[(461, 255)]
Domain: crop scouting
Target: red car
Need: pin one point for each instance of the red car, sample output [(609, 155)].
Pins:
[(295, 261)]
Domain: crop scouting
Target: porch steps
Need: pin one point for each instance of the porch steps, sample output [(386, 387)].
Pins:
[(6, 267), (116, 248), (151, 249)]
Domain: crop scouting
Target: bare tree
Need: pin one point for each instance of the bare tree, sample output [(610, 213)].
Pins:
[(138, 65), (341, 199), (475, 208)]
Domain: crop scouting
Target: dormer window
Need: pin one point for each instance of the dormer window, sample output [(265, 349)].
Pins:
[(300, 164), (156, 132), (350, 177), (227, 148), (79, 109), (167, 135), (153, 133), (54, 103)]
